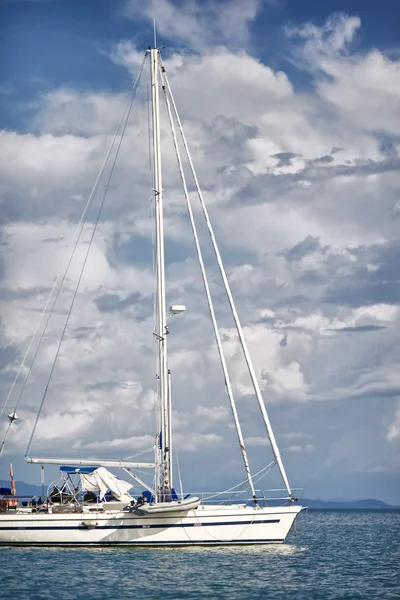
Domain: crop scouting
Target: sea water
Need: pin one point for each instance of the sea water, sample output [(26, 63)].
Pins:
[(334, 555)]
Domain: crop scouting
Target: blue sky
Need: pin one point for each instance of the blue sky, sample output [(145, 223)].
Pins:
[(45, 44), (292, 109)]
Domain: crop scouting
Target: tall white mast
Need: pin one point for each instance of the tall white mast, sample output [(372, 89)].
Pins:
[(161, 330)]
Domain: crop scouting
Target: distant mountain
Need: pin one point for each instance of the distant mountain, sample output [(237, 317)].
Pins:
[(27, 489), (24, 489)]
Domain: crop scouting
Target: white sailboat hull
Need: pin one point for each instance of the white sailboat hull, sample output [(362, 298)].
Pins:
[(206, 525)]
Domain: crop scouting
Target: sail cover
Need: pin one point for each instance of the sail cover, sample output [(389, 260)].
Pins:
[(102, 480)]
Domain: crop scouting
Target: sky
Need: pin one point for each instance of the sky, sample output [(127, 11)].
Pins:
[(292, 114)]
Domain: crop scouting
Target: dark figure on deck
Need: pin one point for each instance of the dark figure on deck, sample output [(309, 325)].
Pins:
[(55, 495), (90, 497)]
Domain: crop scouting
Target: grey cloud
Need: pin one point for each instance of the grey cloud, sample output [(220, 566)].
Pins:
[(83, 332), (2, 271), (284, 341), (270, 187), (11, 205), (22, 293), (8, 354), (388, 147), (284, 158), (295, 301), (52, 240), (377, 391), (357, 276), (114, 302), (363, 292), (323, 160), (102, 385), (307, 246), (361, 167), (225, 140), (312, 277), (364, 286)]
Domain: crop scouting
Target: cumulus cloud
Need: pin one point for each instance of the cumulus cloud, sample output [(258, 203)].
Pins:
[(356, 84), (198, 24)]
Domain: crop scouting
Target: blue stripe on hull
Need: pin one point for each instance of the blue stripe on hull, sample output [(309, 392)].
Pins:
[(153, 526)]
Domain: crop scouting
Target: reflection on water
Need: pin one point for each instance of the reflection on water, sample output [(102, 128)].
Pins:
[(278, 549)]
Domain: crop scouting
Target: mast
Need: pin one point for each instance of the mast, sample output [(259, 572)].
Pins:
[(165, 481)]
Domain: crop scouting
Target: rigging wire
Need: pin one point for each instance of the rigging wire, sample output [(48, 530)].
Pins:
[(228, 292), (258, 476), (239, 486), (60, 279), (228, 384), (139, 453), (132, 97), (179, 471)]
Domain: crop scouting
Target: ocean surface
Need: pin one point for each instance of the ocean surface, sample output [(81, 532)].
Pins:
[(334, 555)]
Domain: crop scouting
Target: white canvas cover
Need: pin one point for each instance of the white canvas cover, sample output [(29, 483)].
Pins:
[(102, 480)]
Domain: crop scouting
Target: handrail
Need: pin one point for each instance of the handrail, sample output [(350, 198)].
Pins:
[(243, 496)]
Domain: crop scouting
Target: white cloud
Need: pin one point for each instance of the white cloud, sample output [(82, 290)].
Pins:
[(358, 85), (394, 428), (321, 43), (214, 414), (198, 23), (197, 441), (298, 448), (82, 114)]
